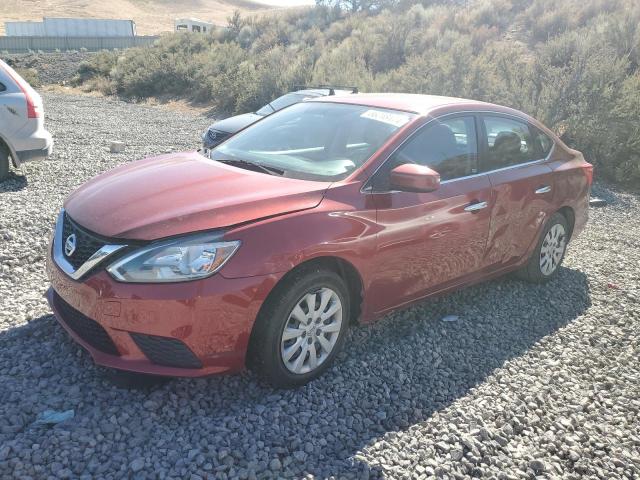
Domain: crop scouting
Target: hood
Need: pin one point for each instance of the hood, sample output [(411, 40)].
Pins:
[(182, 193), (237, 123)]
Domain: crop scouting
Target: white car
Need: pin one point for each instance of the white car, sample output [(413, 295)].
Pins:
[(22, 134)]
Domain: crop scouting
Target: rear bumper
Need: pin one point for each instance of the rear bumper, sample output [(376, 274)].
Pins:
[(37, 154), (38, 146), (204, 325)]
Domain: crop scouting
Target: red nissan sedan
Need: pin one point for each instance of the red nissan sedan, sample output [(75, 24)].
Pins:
[(329, 212)]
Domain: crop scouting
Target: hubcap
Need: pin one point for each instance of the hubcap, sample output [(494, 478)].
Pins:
[(552, 249), (311, 331)]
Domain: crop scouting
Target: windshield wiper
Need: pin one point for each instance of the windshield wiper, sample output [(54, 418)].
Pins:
[(252, 166)]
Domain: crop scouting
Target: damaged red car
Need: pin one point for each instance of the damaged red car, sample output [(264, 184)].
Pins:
[(329, 212)]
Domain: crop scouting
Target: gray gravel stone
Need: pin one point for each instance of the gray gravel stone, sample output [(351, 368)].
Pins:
[(534, 373), (137, 464)]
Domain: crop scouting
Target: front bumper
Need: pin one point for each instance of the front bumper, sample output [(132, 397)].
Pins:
[(210, 319)]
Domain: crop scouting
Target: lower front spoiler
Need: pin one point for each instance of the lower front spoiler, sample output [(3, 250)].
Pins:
[(131, 365)]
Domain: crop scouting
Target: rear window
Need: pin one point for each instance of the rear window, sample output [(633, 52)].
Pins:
[(282, 102)]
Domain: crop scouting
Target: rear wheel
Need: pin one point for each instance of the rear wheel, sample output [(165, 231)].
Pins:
[(301, 328), (4, 162), (547, 257)]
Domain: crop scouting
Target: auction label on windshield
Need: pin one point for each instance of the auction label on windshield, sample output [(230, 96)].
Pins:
[(395, 119)]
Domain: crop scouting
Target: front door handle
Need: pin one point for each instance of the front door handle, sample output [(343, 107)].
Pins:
[(543, 189), (474, 207)]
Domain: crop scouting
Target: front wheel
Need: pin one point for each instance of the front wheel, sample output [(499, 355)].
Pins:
[(301, 328), (545, 260)]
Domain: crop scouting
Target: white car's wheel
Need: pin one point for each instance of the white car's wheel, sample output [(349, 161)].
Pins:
[(4, 162)]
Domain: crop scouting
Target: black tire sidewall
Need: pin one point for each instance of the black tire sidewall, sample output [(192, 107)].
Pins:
[(265, 344), (4, 164)]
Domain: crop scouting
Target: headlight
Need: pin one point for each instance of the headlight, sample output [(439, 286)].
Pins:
[(177, 260)]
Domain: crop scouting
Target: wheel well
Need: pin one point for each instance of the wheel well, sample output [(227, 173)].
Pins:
[(570, 216), (345, 269), (4, 146)]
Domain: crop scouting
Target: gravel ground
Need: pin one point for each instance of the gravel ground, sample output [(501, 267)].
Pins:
[(531, 381)]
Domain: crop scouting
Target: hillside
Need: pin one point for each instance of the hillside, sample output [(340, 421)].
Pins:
[(574, 65), (151, 16)]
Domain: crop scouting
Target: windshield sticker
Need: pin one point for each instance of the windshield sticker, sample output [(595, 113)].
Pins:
[(395, 119)]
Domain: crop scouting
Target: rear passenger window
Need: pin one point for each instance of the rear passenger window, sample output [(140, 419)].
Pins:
[(509, 143)]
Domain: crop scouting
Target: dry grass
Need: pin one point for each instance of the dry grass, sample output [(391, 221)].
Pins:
[(151, 16)]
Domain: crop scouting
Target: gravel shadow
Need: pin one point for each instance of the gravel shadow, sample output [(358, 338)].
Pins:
[(13, 183), (392, 375)]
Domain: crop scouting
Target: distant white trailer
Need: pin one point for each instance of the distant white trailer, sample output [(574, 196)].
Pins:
[(192, 25), (72, 27)]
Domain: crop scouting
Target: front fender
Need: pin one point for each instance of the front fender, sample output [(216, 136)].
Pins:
[(343, 225)]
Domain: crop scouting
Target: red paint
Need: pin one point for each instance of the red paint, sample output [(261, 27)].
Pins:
[(181, 193), (404, 245), (414, 178)]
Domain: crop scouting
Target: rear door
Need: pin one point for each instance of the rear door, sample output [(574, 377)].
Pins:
[(428, 241), (514, 157)]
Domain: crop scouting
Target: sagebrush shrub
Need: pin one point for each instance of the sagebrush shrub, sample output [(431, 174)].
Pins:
[(572, 64)]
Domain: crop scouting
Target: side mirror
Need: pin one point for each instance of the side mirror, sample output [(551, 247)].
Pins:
[(411, 177)]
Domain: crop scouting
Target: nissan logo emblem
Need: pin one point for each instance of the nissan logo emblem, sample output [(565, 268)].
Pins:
[(70, 245)]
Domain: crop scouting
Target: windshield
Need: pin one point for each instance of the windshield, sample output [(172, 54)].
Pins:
[(314, 140), (283, 101)]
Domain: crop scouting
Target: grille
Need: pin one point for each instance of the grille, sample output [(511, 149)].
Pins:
[(214, 137), (86, 243), (89, 330), (169, 352)]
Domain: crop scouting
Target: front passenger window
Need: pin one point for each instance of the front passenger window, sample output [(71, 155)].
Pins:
[(447, 146)]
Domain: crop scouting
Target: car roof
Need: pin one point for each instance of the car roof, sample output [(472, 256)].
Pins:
[(416, 103), (322, 92)]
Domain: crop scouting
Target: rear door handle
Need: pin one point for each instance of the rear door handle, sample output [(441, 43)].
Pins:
[(474, 207), (543, 189)]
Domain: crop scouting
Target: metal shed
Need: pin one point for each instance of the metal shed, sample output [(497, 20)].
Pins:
[(24, 29), (72, 27)]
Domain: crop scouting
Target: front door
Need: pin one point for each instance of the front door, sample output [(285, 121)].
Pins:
[(429, 240)]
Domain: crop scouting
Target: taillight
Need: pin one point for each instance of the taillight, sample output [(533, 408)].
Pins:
[(34, 110), (588, 172)]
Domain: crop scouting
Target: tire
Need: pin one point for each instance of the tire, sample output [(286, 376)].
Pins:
[(285, 308), (545, 260), (4, 163)]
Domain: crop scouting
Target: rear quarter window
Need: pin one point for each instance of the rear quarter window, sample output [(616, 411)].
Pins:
[(542, 142), (2, 87)]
